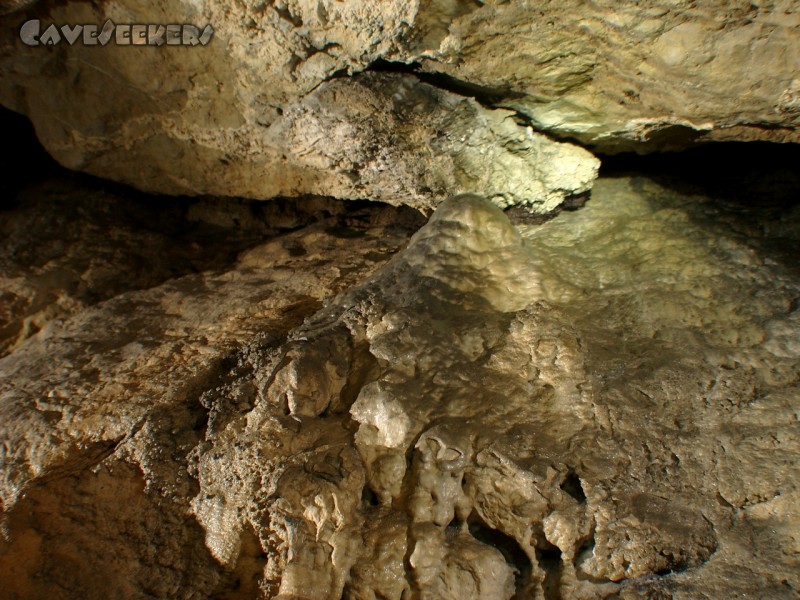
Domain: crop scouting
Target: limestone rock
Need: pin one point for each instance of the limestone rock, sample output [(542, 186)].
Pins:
[(139, 310), (263, 111), (638, 76), (65, 246), (602, 405), (281, 102)]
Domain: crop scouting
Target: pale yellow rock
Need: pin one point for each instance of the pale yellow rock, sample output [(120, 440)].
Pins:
[(263, 110), (639, 76), (281, 101), (555, 425)]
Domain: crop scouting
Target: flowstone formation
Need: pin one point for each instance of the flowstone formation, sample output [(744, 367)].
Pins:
[(139, 308), (458, 428), (603, 405), (285, 99)]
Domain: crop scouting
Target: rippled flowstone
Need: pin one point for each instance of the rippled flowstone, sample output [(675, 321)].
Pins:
[(117, 313), (602, 405)]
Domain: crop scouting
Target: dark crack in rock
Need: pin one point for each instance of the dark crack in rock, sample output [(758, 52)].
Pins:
[(212, 119)]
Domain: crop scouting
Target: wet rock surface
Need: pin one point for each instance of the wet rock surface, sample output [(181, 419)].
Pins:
[(601, 405)]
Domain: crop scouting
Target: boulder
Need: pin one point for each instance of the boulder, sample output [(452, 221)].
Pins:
[(266, 109), (280, 101)]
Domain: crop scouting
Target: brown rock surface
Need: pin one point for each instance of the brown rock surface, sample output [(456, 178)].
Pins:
[(146, 320), (65, 247), (601, 405)]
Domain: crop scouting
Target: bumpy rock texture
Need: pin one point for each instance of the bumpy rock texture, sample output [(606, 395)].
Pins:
[(267, 109), (139, 308), (642, 75), (260, 113), (602, 405)]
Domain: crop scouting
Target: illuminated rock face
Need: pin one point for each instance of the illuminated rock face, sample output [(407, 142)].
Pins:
[(632, 76), (602, 405), (283, 100), (259, 113)]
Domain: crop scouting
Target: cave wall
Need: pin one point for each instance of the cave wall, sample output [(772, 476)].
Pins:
[(522, 391)]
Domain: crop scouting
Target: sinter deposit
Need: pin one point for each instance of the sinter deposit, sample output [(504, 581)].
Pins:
[(603, 405)]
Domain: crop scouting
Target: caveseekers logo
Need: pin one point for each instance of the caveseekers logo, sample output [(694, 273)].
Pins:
[(128, 34)]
